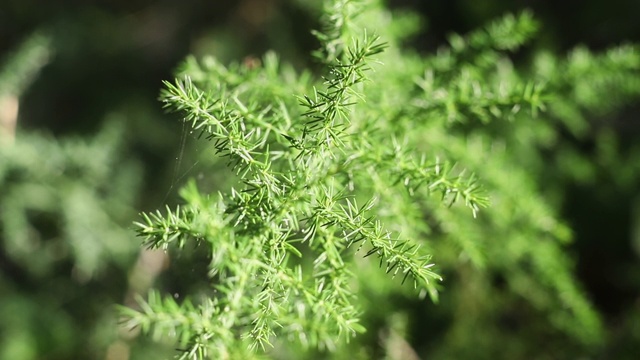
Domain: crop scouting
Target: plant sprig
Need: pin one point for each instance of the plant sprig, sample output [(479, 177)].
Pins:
[(279, 240)]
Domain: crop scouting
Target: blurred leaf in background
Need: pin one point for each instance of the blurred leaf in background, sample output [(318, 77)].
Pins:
[(64, 244)]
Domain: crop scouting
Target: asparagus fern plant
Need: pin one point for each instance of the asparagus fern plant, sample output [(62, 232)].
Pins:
[(375, 159)]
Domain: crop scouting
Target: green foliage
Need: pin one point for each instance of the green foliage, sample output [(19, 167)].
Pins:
[(318, 171), (64, 204), (32, 172), (21, 67), (63, 246)]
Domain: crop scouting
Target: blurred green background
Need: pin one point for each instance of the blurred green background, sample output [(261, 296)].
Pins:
[(93, 147)]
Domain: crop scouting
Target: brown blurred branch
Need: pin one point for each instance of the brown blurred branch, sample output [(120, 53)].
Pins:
[(8, 118)]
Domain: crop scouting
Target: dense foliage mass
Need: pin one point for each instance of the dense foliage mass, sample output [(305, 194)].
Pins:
[(376, 159), (381, 203)]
